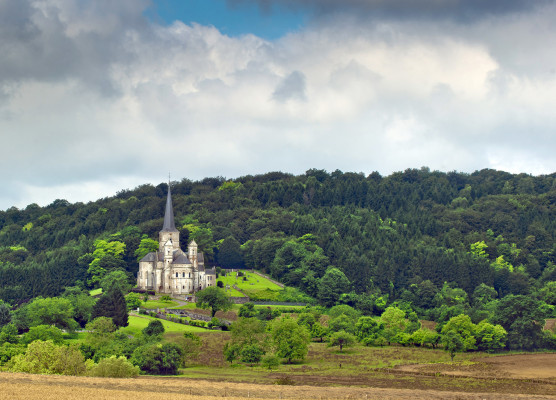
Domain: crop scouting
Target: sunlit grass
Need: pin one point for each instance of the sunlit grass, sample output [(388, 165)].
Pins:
[(152, 304), (138, 323)]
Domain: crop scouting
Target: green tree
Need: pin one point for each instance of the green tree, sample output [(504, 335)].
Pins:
[(213, 298), (82, 304), (101, 331), (5, 313), (112, 304), (158, 359), (342, 323), (394, 322), (146, 246), (107, 256), (341, 339), (306, 319), (290, 340), (229, 253), (332, 285), (8, 334), (463, 326), (133, 301), (368, 329), (318, 331), (46, 311), (251, 354), (490, 337), (44, 333), (522, 317), (483, 294), (453, 343), (247, 310), (115, 278), (154, 328)]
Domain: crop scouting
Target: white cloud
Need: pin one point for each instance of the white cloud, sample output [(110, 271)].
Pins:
[(136, 100)]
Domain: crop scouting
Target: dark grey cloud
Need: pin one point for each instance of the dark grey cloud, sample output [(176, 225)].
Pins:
[(48, 41), (463, 10)]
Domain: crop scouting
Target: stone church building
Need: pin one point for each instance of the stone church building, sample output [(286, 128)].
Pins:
[(171, 270)]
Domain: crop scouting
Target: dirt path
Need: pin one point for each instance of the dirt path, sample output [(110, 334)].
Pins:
[(45, 387)]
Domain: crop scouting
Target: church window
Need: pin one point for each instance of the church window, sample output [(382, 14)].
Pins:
[(183, 276), (176, 274)]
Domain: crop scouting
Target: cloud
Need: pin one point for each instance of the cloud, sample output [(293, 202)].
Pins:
[(291, 87), (462, 10), (95, 98)]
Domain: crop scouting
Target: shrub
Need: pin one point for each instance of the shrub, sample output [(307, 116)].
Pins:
[(251, 354), (47, 358), (43, 332), (270, 361), (114, 367), (158, 359), (154, 328)]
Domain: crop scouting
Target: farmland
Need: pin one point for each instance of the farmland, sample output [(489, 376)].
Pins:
[(498, 377)]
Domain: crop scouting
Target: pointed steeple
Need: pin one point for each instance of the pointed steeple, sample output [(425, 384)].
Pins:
[(169, 225)]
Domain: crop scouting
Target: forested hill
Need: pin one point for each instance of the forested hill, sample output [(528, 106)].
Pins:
[(393, 237)]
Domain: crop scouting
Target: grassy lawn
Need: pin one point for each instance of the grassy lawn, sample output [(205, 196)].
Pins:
[(151, 304), (253, 285), (138, 323), (95, 292)]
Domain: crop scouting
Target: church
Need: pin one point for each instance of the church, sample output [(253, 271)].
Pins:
[(170, 269)]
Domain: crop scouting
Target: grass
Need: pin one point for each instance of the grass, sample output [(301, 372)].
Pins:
[(138, 323), (253, 285), (152, 304), (95, 292)]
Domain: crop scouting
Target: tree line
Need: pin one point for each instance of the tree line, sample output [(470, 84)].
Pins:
[(422, 238)]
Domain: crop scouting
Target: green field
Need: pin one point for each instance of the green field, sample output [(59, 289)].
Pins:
[(254, 285), (152, 304), (138, 323), (95, 292)]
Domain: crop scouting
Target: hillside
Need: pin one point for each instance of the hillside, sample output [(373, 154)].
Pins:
[(395, 237)]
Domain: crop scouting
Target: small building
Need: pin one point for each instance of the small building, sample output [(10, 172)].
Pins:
[(170, 269)]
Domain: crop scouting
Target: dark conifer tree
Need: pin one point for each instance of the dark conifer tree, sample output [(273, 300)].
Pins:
[(112, 305)]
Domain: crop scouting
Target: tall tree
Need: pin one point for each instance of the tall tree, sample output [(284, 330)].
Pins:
[(112, 304), (213, 298)]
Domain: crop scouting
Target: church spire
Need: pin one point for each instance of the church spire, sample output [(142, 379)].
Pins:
[(169, 225)]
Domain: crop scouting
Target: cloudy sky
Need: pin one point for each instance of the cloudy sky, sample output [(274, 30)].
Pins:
[(100, 95)]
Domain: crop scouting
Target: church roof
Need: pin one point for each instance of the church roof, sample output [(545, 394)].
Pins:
[(193, 243), (200, 258), (169, 224), (210, 271), (149, 257), (181, 259)]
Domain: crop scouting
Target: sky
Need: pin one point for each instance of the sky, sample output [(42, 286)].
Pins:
[(97, 96)]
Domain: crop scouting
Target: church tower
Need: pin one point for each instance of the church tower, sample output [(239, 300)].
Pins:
[(169, 231)]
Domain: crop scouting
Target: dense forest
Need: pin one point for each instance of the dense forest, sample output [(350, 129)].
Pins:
[(367, 241)]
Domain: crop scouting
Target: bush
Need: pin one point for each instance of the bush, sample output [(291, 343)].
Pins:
[(114, 367), (43, 332), (158, 359), (47, 358), (220, 284), (270, 361), (251, 354), (154, 328)]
